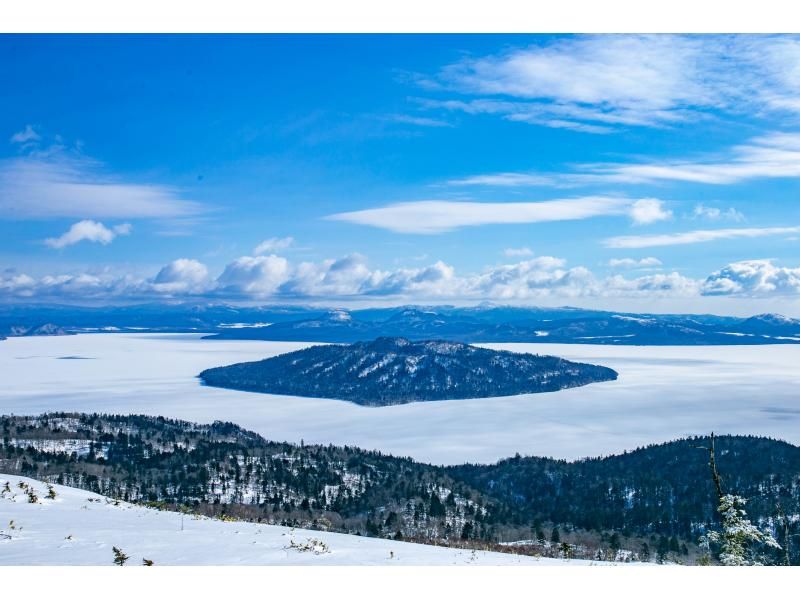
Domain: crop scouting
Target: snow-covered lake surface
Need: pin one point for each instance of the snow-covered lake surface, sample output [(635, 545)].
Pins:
[(81, 528), (662, 393)]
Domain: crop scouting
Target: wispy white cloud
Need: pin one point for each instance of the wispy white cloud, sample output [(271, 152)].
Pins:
[(431, 217), (505, 179), (595, 83), (703, 212), (517, 252), (26, 135), (273, 244), (61, 184), (88, 230), (774, 155), (551, 115), (419, 121), (696, 236), (627, 262), (582, 81)]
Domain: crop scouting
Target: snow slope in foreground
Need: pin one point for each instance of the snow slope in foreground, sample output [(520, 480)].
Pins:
[(80, 528)]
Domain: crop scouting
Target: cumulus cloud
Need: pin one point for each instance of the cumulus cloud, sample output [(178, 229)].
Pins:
[(181, 276), (431, 217), (273, 244), (753, 278), (696, 236), (82, 286), (350, 277), (88, 230), (19, 285), (647, 211), (254, 276), (645, 262), (536, 278), (655, 285), (437, 280)]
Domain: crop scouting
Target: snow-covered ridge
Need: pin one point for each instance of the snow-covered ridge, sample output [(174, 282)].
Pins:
[(82, 528)]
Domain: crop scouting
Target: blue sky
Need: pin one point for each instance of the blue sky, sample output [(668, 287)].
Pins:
[(632, 172)]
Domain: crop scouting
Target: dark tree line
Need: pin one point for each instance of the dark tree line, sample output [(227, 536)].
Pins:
[(660, 494)]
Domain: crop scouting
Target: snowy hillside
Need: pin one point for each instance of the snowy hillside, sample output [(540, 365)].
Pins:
[(81, 528)]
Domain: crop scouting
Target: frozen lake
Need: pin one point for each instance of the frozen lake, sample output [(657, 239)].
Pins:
[(662, 393)]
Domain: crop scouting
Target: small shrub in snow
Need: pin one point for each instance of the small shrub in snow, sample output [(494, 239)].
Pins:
[(119, 556), (312, 545)]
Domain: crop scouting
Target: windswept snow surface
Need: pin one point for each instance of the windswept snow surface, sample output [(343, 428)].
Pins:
[(81, 528), (662, 393)]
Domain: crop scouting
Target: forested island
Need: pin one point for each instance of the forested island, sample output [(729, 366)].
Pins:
[(391, 371)]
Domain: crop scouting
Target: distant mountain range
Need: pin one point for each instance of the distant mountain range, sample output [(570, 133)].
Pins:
[(391, 371), (530, 325), (482, 323), (150, 317)]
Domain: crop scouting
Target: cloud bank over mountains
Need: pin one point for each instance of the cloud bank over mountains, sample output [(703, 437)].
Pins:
[(273, 277)]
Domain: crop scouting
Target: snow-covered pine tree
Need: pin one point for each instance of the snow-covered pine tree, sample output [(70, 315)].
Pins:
[(739, 538)]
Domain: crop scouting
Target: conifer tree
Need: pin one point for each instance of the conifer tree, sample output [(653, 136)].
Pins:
[(119, 556), (555, 537), (644, 552), (738, 538)]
